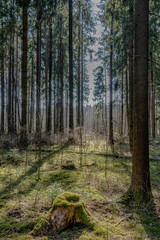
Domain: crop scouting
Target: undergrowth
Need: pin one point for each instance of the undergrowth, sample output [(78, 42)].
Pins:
[(99, 181)]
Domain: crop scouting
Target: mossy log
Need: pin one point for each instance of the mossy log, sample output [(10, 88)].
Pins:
[(67, 211)]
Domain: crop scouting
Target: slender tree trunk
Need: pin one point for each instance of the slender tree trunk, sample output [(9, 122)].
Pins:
[(82, 78), (46, 81), (66, 110), (2, 88), (61, 77), (32, 98), (153, 78), (127, 107), (140, 180), (111, 140), (131, 75), (9, 93), (49, 118), (121, 132), (24, 75), (149, 103), (70, 67), (13, 86), (16, 86), (105, 110), (79, 70), (38, 100)]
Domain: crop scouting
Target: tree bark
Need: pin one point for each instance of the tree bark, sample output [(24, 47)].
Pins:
[(79, 70), (82, 78), (9, 93), (46, 80), (111, 139), (131, 75), (2, 87), (24, 74), (122, 107), (49, 118), (61, 127), (32, 98), (70, 66), (140, 180), (38, 100)]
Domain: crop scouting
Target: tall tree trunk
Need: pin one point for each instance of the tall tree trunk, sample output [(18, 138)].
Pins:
[(131, 75), (111, 140), (24, 74), (13, 87), (16, 85), (153, 76), (82, 78), (9, 93), (121, 132), (127, 107), (70, 66), (105, 109), (38, 100), (49, 118), (140, 180), (79, 70), (46, 80), (2, 87), (32, 98), (149, 102), (67, 110), (61, 127)]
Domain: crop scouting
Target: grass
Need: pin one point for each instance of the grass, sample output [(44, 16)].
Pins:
[(100, 182)]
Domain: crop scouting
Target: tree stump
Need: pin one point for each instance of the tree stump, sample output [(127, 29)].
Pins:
[(67, 211)]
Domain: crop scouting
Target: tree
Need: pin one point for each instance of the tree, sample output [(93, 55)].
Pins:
[(111, 140), (24, 74), (70, 67), (131, 74), (140, 180)]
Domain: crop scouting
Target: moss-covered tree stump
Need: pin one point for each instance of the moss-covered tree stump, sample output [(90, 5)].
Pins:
[(67, 211)]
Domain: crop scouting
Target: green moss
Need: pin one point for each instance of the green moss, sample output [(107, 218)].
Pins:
[(142, 197), (66, 200), (26, 226), (41, 227), (7, 225), (83, 215), (64, 177)]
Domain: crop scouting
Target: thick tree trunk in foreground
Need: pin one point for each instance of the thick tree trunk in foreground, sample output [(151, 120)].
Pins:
[(140, 180), (24, 75)]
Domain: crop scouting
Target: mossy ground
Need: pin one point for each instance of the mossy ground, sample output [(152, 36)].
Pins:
[(100, 182)]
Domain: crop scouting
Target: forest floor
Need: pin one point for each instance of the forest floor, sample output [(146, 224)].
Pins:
[(100, 181)]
